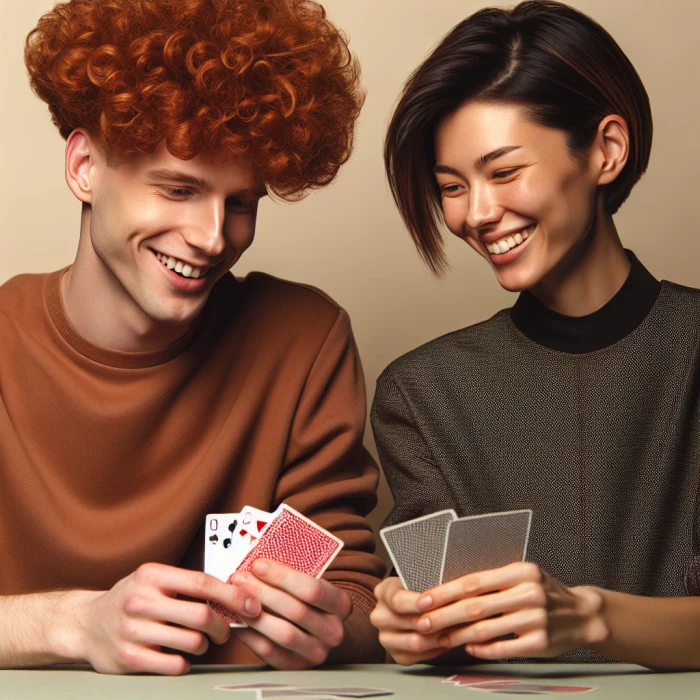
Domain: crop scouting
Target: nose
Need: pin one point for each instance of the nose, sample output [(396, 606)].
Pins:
[(205, 230), (483, 208)]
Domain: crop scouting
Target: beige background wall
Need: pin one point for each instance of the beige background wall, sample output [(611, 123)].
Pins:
[(348, 239)]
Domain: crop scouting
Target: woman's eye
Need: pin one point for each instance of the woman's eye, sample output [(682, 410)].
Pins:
[(450, 189), (503, 174)]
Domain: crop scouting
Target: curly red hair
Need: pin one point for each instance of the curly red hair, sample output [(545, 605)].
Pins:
[(269, 80)]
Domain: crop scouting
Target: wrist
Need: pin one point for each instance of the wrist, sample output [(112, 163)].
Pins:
[(592, 609), (67, 626)]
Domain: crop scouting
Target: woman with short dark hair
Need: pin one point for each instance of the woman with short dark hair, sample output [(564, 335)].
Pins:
[(524, 131)]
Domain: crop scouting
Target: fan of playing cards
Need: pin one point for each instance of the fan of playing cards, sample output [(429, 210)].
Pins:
[(233, 541), (441, 547)]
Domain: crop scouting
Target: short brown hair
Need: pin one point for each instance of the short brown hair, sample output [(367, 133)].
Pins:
[(270, 80), (561, 66)]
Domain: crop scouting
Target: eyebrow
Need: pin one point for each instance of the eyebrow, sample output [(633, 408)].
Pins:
[(479, 163), (188, 179)]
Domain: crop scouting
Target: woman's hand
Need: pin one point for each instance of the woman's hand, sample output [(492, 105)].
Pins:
[(520, 599), (396, 616)]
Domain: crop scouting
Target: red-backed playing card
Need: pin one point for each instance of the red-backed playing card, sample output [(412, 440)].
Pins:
[(294, 540)]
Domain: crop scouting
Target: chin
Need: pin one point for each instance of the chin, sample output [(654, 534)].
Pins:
[(516, 283)]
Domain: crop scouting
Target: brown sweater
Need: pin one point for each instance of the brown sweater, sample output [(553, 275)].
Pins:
[(111, 459)]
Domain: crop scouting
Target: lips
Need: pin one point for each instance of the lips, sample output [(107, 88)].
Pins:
[(182, 268)]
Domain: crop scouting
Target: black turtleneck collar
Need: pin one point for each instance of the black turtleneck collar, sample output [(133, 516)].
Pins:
[(579, 334)]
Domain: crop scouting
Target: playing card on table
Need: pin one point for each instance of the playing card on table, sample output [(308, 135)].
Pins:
[(416, 548), (481, 542), (291, 539), (218, 531)]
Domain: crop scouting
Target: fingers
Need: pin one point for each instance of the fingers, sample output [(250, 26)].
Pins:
[(149, 633), (479, 583), (468, 610), (187, 614), (519, 623), (410, 647), (401, 601), (173, 581), (272, 653), (315, 592), (139, 659), (325, 627)]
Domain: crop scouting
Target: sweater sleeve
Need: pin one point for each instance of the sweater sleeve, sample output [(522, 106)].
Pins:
[(417, 483), (330, 477)]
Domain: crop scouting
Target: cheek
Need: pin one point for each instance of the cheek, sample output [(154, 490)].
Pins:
[(241, 233), (454, 214)]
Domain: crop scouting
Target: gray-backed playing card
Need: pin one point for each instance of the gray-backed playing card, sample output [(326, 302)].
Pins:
[(481, 542), (416, 548)]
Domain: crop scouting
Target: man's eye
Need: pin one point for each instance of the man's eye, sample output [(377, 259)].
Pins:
[(177, 191), (240, 205), (503, 174)]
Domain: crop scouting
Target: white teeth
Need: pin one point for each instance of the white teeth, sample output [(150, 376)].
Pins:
[(185, 269), (506, 244)]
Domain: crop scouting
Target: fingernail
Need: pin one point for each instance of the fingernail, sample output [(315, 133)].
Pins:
[(424, 624), (251, 606), (425, 602), (260, 568)]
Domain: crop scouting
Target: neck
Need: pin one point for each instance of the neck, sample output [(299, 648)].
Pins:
[(590, 275), (101, 309)]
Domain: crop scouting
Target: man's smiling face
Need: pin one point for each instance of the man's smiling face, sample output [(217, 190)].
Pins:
[(167, 229)]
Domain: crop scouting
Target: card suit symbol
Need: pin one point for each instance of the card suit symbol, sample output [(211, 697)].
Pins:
[(214, 539), (261, 524), (227, 543), (243, 532), (232, 526)]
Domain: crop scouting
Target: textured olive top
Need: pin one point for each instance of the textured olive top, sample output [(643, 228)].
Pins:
[(603, 443), (112, 459)]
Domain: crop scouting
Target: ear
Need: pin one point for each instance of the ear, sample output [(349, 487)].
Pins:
[(612, 142), (80, 157)]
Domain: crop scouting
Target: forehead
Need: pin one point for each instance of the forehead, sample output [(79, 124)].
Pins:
[(210, 168), (478, 128)]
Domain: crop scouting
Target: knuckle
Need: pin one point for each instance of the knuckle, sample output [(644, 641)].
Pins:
[(265, 648), (129, 658), (540, 640), (315, 593), (200, 584), (289, 636), (135, 605), (336, 633), (146, 573), (317, 654), (197, 644), (129, 629), (416, 642), (531, 571), (296, 612), (482, 633), (540, 617), (204, 616), (180, 665), (469, 584), (473, 609)]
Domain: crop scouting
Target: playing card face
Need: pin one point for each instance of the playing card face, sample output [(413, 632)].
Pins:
[(416, 548), (294, 540), (481, 542), (251, 524), (218, 532)]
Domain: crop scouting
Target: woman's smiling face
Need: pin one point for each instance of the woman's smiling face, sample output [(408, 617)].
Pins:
[(511, 190)]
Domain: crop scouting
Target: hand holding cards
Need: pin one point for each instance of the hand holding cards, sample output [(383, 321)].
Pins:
[(234, 541)]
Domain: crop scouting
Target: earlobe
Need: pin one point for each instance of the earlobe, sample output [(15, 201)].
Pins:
[(79, 157), (613, 135)]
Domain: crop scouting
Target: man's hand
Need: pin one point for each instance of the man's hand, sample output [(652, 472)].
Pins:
[(122, 630), (519, 599), (302, 617)]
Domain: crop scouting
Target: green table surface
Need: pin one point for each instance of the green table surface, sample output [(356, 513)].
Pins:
[(612, 681)]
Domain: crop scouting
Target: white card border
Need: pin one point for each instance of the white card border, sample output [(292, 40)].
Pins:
[(409, 522)]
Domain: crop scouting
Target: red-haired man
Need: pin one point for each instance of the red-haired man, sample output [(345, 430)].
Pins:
[(145, 386)]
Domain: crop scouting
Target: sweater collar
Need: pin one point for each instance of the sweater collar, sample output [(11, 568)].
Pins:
[(580, 334)]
